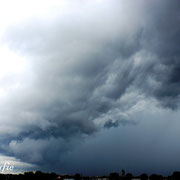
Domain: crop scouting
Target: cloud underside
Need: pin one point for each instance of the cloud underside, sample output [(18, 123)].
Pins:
[(90, 69)]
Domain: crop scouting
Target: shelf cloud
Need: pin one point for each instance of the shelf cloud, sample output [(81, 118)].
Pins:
[(90, 66)]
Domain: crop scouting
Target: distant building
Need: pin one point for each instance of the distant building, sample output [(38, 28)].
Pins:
[(59, 177), (99, 178), (123, 173), (102, 178)]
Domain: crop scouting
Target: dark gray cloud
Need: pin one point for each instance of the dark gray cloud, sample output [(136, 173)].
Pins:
[(160, 40), (88, 69)]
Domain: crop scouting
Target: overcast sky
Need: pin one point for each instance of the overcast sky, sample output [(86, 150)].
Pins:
[(90, 86)]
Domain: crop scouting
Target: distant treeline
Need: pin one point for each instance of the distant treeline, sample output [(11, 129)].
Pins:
[(38, 175)]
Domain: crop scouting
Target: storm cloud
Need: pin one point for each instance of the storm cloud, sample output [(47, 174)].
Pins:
[(89, 67)]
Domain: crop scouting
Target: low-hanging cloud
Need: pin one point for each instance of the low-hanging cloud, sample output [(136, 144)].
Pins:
[(88, 68)]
